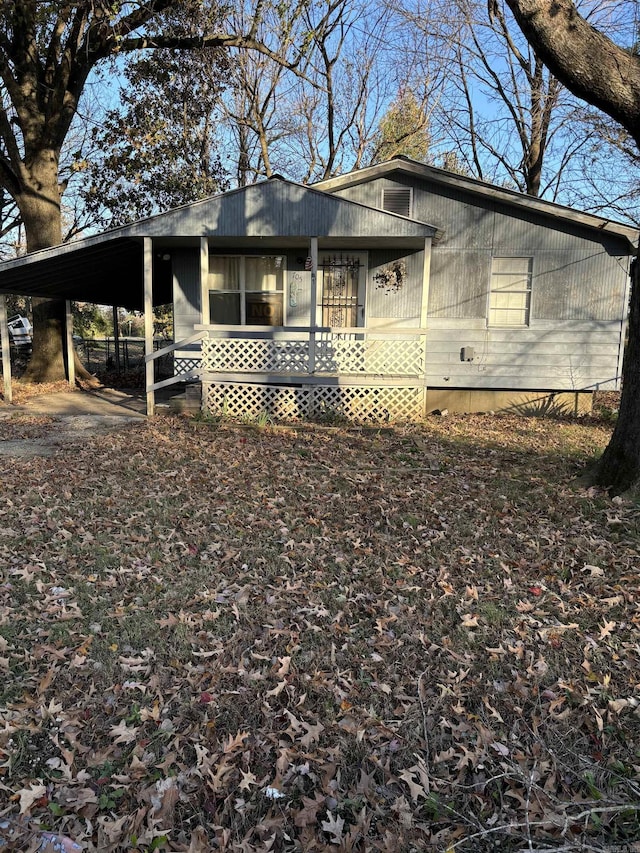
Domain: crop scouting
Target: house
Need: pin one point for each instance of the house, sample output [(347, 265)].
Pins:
[(382, 294)]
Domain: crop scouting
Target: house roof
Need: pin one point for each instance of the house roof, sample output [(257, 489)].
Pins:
[(107, 268), (402, 165)]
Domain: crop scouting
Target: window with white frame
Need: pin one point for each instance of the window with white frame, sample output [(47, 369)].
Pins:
[(510, 294), (246, 290)]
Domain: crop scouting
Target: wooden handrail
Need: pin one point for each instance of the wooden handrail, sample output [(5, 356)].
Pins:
[(197, 336)]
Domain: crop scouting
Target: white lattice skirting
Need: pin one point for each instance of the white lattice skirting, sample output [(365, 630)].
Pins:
[(255, 355), (374, 357), (185, 364), (357, 403)]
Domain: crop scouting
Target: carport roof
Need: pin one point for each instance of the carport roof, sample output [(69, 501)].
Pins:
[(107, 268)]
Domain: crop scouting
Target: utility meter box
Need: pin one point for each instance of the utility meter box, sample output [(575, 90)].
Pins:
[(467, 354)]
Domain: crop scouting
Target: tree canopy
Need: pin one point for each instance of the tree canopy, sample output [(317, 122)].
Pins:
[(157, 149)]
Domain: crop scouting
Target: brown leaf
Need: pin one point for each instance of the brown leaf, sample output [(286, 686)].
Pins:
[(28, 796), (308, 814), (416, 790)]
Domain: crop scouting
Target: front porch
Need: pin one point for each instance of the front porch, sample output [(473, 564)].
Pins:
[(296, 373)]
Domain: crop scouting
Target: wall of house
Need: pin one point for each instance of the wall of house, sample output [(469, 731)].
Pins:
[(394, 308), (578, 302), (383, 308)]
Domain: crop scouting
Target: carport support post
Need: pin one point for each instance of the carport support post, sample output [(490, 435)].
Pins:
[(6, 349), (148, 323), (71, 365), (116, 337)]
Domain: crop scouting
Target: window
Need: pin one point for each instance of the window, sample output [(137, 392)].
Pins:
[(246, 290), (510, 296), (397, 200)]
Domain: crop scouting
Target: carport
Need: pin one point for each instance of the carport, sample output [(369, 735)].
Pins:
[(117, 268)]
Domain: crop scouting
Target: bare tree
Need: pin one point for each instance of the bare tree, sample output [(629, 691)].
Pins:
[(308, 127), (257, 102), (368, 102), (506, 117)]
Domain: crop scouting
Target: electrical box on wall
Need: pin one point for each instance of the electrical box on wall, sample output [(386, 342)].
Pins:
[(467, 354)]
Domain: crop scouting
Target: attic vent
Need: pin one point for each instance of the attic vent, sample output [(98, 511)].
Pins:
[(397, 200)]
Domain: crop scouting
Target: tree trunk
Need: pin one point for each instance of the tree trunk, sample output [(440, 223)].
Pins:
[(619, 467), (47, 362), (39, 205)]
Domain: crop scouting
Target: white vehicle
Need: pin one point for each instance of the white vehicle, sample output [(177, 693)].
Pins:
[(20, 331)]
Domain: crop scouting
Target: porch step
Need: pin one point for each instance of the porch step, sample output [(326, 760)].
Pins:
[(190, 402)]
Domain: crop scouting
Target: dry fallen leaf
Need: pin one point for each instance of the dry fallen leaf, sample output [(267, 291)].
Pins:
[(333, 826), (28, 796)]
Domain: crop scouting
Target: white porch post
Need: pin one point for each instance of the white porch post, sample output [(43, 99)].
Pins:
[(426, 278), (71, 365), (313, 298), (116, 337), (204, 281), (148, 322), (6, 349)]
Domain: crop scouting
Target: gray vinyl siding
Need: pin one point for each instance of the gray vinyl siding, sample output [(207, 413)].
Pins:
[(567, 357), (274, 209), (403, 304), (579, 284), (459, 282), (186, 291), (578, 303)]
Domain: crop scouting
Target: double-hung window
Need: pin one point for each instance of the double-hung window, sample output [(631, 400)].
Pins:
[(246, 290), (510, 294)]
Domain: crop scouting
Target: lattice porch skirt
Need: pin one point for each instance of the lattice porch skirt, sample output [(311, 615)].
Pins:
[(358, 403)]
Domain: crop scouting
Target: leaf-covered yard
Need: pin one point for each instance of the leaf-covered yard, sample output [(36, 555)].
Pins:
[(217, 638)]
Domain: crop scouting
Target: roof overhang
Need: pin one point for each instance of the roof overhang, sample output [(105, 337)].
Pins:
[(108, 272)]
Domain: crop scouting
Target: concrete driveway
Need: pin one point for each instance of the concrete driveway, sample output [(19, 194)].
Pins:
[(72, 416)]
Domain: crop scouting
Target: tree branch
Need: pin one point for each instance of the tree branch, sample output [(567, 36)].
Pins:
[(591, 65), (207, 41)]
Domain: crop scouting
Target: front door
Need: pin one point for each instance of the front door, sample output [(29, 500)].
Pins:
[(343, 289)]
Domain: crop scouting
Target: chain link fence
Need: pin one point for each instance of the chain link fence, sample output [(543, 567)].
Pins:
[(102, 357)]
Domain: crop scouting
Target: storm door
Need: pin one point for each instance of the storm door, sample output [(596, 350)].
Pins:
[(342, 291)]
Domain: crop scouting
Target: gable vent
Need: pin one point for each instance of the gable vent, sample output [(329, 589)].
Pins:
[(397, 200)]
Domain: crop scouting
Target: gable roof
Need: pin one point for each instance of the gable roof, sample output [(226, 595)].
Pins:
[(402, 165), (107, 268), (278, 208)]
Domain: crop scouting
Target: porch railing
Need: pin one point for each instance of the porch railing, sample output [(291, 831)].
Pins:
[(313, 351)]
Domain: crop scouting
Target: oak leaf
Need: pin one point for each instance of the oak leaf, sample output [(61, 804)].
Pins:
[(28, 796), (334, 826), (308, 814)]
